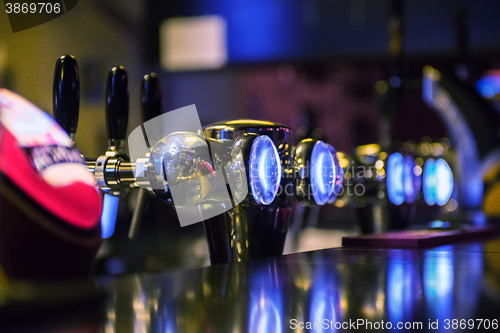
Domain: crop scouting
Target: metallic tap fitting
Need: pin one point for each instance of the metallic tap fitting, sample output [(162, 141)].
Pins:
[(113, 170), (253, 230), (241, 178), (261, 170), (384, 186)]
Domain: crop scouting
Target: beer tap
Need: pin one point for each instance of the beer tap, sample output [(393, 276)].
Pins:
[(255, 229), (105, 166), (247, 162), (115, 160), (66, 103), (66, 94), (151, 107)]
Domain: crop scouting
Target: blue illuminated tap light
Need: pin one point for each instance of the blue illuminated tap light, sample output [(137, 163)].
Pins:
[(410, 184), (395, 187), (108, 217), (437, 182), (264, 170), (403, 180), (429, 182), (322, 173), (444, 179)]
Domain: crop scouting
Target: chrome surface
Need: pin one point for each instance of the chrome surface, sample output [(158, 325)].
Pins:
[(99, 168), (112, 172), (250, 230), (341, 285), (375, 210), (141, 172), (181, 165), (331, 286), (309, 185)]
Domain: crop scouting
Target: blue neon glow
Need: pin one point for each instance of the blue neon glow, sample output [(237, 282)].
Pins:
[(403, 279), (489, 86), (339, 175), (408, 179), (257, 29), (438, 280), (444, 181), (439, 224), (264, 170), (395, 290), (108, 217), (266, 301), (325, 306), (265, 317), (437, 182), (395, 188), (322, 173), (429, 182)]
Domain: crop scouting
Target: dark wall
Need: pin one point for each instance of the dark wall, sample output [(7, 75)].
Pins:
[(275, 30)]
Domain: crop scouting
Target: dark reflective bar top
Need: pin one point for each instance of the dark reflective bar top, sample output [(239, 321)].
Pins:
[(442, 289)]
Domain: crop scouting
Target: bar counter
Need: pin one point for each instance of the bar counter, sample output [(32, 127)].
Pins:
[(442, 289)]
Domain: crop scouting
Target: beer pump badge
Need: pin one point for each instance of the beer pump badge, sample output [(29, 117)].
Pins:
[(39, 157), (30, 125), (48, 145)]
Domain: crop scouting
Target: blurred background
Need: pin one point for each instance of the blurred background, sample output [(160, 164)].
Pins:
[(312, 65)]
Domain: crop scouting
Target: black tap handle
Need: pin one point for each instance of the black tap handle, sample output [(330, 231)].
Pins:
[(66, 93), (151, 97), (117, 104), (151, 107)]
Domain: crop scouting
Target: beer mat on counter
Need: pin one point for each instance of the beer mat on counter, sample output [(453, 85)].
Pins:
[(420, 238)]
